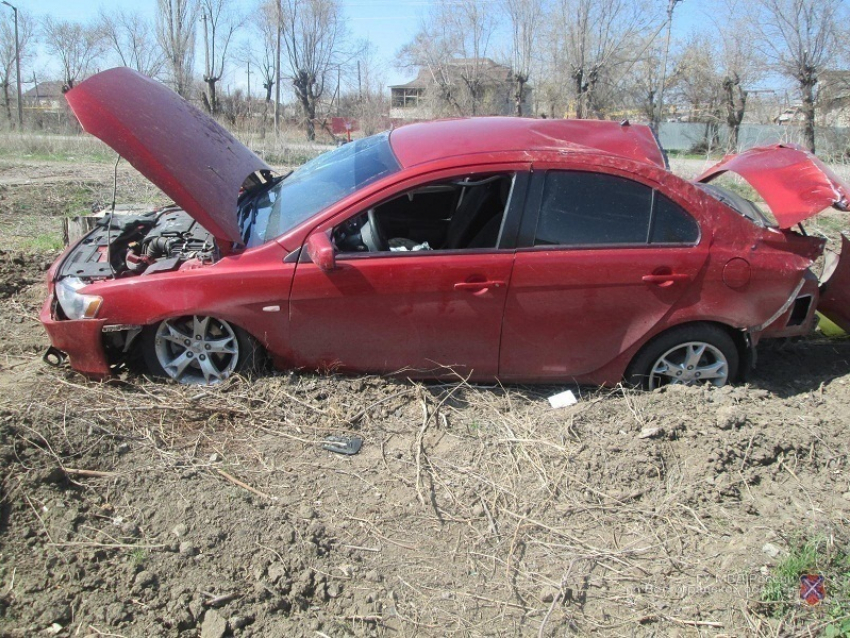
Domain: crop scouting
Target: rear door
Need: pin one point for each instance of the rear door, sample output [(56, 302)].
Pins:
[(597, 269)]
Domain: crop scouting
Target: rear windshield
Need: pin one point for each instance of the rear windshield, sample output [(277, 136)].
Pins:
[(270, 212), (740, 205)]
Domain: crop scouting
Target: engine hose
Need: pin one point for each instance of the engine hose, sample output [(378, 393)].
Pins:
[(159, 247)]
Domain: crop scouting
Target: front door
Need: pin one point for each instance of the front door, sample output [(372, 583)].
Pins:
[(422, 297)]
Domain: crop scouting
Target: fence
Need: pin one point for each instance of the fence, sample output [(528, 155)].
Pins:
[(685, 136)]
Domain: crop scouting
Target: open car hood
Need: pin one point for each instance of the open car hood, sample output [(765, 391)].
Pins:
[(794, 183), (187, 154)]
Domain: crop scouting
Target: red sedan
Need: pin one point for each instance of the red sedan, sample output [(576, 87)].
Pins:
[(518, 249)]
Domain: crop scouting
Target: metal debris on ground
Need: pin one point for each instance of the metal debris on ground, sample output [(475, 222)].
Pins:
[(349, 445)]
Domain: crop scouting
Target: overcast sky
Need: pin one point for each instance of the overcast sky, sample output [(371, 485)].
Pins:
[(388, 24)]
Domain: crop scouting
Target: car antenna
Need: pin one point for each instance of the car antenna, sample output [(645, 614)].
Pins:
[(112, 214)]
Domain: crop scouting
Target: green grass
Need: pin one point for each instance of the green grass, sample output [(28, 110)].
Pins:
[(41, 147), (41, 243), (780, 595), (138, 557)]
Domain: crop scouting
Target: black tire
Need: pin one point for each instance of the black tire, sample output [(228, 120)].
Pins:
[(199, 350), (686, 355)]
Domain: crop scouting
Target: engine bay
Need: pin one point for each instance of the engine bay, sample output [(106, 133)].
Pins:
[(123, 245)]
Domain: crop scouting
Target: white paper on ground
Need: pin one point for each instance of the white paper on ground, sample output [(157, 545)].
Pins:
[(563, 399)]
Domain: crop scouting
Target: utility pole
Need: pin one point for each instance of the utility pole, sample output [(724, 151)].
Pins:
[(207, 73), (17, 66), (277, 73), (670, 8), (249, 90)]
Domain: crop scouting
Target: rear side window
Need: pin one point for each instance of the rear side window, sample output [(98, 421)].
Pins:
[(671, 224), (587, 209)]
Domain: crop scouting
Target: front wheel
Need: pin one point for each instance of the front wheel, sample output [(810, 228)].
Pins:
[(198, 350), (687, 355)]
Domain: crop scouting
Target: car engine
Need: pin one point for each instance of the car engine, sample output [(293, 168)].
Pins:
[(123, 245)]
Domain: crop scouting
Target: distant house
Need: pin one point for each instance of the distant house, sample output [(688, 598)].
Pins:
[(46, 96), (461, 86)]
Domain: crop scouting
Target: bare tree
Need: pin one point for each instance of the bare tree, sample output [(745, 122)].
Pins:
[(453, 43), (76, 46), (132, 39), (433, 49), (596, 38), (800, 38), (525, 17), (314, 36), (638, 84), (26, 38), (366, 98), (738, 62), (697, 81), (175, 31), (473, 24), (261, 51), (220, 23)]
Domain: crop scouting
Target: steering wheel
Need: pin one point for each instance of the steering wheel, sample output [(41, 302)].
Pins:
[(373, 235)]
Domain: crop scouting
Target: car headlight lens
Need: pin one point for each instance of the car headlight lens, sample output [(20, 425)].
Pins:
[(75, 305)]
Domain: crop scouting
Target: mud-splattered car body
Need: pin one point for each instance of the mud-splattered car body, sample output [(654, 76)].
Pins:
[(523, 250)]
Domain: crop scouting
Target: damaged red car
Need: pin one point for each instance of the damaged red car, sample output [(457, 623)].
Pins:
[(486, 248)]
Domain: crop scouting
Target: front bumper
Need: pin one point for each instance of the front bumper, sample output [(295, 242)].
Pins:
[(81, 340)]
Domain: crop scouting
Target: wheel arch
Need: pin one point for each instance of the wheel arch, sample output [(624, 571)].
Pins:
[(740, 338)]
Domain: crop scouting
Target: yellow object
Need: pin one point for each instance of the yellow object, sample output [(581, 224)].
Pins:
[(828, 328)]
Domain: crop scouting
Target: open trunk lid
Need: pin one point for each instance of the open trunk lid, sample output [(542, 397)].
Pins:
[(184, 152), (794, 183)]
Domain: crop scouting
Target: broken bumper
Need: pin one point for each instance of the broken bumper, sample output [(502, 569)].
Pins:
[(798, 318), (81, 340), (834, 301)]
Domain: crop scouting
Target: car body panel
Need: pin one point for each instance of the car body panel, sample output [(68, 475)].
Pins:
[(793, 182), (249, 290), (192, 158), (834, 301), (422, 143), (402, 313), (81, 340)]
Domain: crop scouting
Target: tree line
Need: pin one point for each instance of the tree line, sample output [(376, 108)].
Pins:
[(583, 58)]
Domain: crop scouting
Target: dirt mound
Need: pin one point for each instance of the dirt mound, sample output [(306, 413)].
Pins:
[(21, 270)]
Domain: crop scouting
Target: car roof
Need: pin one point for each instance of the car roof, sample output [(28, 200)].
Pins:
[(425, 142)]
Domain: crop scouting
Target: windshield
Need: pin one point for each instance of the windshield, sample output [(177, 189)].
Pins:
[(282, 204)]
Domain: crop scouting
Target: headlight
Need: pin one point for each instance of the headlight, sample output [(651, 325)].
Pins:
[(75, 305)]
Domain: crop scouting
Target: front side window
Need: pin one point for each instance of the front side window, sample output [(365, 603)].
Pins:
[(596, 209), (280, 205), (459, 214)]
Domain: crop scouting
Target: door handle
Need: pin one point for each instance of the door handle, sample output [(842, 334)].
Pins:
[(478, 285), (667, 279)]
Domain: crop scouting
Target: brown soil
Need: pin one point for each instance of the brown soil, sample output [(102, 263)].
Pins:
[(134, 508)]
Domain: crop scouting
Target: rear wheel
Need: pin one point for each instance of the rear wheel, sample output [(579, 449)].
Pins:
[(687, 355), (198, 350)]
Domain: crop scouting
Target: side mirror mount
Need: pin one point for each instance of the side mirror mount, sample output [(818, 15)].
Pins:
[(321, 252)]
